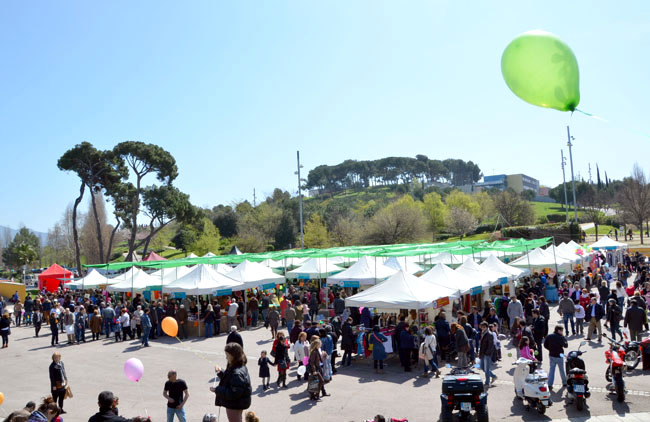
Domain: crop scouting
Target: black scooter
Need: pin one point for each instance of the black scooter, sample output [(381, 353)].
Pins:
[(577, 380)]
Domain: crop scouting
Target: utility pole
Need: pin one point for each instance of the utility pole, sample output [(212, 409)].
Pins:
[(566, 200), (573, 180), (302, 233)]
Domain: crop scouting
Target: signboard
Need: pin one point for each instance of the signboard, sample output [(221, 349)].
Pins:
[(147, 295), (303, 277), (267, 286), (441, 302), (224, 292), (179, 295), (476, 290), (155, 289), (351, 284), (503, 280)]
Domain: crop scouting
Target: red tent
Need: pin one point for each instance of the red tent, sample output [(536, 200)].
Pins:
[(154, 257), (50, 278)]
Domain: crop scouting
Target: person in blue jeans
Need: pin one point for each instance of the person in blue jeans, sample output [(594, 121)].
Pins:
[(567, 310), (486, 350), (145, 322), (555, 344), (428, 350), (176, 393)]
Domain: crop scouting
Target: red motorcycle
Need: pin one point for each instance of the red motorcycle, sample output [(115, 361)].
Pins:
[(615, 359)]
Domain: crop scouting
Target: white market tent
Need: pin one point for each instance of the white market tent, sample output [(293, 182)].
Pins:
[(539, 258), (222, 268), (92, 280), (203, 280), (494, 264), (253, 274), (314, 268), (133, 280), (606, 242), (192, 255), (561, 253), (164, 276), (209, 255), (401, 291), (271, 263), (400, 263), (366, 271), (442, 275), (471, 269), (445, 258)]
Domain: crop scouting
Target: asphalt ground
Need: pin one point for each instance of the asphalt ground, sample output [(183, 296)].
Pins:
[(357, 392)]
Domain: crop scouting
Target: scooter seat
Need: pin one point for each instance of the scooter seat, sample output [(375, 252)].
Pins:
[(577, 371)]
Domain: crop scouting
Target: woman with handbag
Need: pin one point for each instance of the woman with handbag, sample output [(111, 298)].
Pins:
[(428, 352), (316, 383), (234, 390), (377, 339), (280, 352), (301, 350), (58, 380)]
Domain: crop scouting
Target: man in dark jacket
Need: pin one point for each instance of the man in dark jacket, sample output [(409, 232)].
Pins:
[(486, 350), (603, 291), (235, 337), (594, 313), (106, 412), (339, 305), (634, 319), (539, 332), (555, 344), (29, 309), (614, 318)]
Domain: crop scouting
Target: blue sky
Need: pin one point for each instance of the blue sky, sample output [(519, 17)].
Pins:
[(233, 89)]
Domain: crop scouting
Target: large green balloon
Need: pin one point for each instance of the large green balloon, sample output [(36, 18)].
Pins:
[(542, 70)]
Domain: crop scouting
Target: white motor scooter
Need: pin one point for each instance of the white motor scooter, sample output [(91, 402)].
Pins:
[(531, 385)]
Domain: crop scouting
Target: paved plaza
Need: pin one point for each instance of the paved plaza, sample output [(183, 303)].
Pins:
[(357, 392)]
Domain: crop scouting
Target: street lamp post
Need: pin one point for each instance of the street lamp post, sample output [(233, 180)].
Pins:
[(566, 201), (302, 233), (573, 180)]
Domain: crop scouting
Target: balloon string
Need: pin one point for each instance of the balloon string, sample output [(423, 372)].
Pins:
[(190, 350), (146, 412), (602, 119)]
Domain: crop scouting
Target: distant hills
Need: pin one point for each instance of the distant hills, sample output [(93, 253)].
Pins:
[(42, 236)]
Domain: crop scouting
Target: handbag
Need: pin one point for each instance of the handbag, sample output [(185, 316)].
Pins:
[(313, 384), (68, 392)]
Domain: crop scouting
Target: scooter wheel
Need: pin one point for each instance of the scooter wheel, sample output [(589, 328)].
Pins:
[(608, 374), (580, 403), (541, 408)]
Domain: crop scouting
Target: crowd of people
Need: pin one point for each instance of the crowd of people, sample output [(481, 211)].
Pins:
[(310, 329)]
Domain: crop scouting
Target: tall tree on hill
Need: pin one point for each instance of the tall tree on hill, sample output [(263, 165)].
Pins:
[(96, 170), (634, 198), (435, 211), (514, 210), (164, 204), (144, 159), (399, 222), (122, 196), (316, 235), (461, 222), (24, 249), (600, 185)]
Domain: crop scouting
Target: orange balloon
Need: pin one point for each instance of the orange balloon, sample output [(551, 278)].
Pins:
[(2, 398), (170, 326)]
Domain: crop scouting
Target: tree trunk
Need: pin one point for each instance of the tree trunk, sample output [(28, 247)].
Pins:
[(110, 241), (641, 231), (134, 222), (75, 233), (148, 239), (100, 240), (152, 233), (596, 226)]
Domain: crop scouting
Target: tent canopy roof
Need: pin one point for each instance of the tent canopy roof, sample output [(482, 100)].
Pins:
[(134, 279), (315, 268), (444, 276), (92, 280), (253, 274), (365, 271), (606, 242), (154, 257), (55, 271), (400, 291), (203, 280), (492, 263)]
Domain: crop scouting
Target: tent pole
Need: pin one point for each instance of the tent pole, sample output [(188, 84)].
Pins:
[(528, 256), (554, 257)]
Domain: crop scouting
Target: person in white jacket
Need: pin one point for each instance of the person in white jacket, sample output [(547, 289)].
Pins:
[(428, 352), (301, 349)]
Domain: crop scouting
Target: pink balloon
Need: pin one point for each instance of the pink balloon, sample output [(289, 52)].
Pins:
[(133, 369), (305, 360)]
